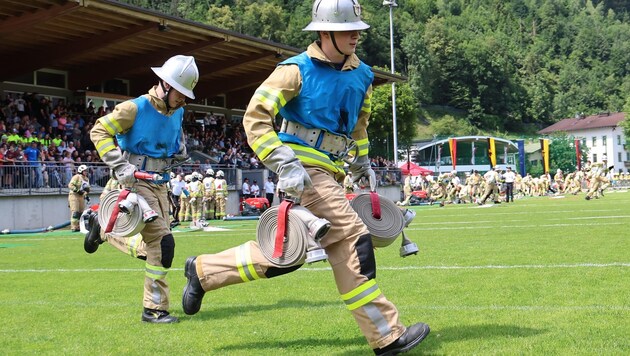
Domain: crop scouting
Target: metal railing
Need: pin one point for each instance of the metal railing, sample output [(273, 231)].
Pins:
[(36, 178)]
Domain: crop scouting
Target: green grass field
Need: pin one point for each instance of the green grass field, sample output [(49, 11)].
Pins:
[(542, 276)]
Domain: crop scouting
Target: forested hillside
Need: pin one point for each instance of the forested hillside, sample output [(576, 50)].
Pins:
[(505, 64)]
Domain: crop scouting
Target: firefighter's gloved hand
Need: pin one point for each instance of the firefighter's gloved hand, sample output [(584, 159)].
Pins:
[(124, 174), (292, 177), (361, 168), (123, 170), (182, 154)]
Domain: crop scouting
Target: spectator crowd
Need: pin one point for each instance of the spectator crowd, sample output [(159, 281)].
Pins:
[(44, 142)]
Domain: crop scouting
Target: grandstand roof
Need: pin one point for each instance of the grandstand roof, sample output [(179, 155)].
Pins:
[(98, 40)]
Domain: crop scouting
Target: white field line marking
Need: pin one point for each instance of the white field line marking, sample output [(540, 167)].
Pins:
[(522, 307), (520, 212), (508, 226), (526, 308), (7, 239), (517, 220), (573, 265)]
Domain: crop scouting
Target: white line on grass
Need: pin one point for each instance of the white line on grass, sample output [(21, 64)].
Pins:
[(574, 265), (524, 307), (519, 220), (476, 227)]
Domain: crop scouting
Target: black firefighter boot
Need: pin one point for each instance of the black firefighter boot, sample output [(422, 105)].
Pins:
[(93, 238), (193, 292), (158, 316), (410, 339)]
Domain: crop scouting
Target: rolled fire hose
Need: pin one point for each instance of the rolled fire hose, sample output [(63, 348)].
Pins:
[(289, 235), (294, 248), (384, 227), (125, 224)]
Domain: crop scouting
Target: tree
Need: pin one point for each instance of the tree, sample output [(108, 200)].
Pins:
[(381, 122), (562, 153)]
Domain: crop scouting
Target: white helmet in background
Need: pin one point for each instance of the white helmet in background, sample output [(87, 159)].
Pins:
[(336, 15), (82, 168), (187, 178), (209, 172), (181, 73), (219, 174), (172, 175)]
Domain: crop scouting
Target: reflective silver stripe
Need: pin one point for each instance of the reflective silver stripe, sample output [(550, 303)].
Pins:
[(243, 268), (361, 295), (155, 273), (378, 319), (156, 295), (134, 241)]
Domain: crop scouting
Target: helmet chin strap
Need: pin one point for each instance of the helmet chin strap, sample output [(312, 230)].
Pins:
[(334, 42), (165, 97)]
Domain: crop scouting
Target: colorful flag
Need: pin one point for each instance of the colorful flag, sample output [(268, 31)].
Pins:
[(544, 151), (578, 155), (452, 143), (521, 156), (492, 153)]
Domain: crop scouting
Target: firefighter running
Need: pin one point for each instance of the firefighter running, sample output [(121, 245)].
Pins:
[(331, 75), (149, 133)]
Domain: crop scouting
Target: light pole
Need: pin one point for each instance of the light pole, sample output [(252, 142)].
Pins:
[(392, 4)]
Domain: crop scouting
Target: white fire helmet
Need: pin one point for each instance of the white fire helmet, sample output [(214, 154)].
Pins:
[(336, 15), (82, 168), (209, 172), (219, 174), (181, 73)]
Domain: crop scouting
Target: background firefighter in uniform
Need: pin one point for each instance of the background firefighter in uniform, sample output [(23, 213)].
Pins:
[(79, 187), (220, 193), (196, 198), (149, 132), (208, 195), (184, 200), (328, 89)]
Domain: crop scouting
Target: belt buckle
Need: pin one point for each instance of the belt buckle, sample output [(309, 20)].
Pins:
[(352, 151)]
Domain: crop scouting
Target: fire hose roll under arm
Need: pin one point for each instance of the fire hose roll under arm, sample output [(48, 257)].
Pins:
[(126, 224), (384, 230)]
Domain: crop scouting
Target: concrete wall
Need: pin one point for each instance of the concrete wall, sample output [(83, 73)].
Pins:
[(26, 212)]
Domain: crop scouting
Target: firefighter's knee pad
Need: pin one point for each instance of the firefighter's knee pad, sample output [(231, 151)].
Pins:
[(168, 250), (365, 252), (76, 214), (277, 271)]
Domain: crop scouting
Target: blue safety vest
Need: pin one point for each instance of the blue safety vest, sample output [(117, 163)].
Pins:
[(152, 134), (330, 99)]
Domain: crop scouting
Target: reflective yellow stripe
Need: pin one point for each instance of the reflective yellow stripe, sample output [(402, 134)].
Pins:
[(367, 104), (244, 263), (110, 124), (134, 242), (313, 157), (363, 145), (105, 145), (265, 144), (271, 97), (361, 295), (155, 272)]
